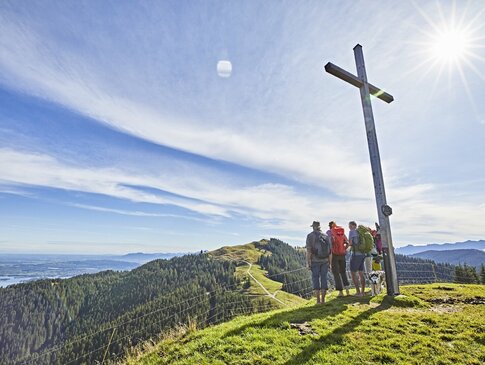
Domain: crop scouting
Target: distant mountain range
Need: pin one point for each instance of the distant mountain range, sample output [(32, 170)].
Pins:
[(141, 258), (471, 245), (464, 256), (469, 252)]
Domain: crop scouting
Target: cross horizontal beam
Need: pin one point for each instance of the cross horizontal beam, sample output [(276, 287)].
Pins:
[(357, 82)]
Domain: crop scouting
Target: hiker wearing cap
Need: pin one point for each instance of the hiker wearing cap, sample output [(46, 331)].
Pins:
[(356, 260), (319, 259), (339, 250)]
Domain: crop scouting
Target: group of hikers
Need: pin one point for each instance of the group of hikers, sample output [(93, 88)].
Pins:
[(327, 251)]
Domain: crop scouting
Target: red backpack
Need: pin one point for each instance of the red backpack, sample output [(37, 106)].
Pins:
[(338, 241)]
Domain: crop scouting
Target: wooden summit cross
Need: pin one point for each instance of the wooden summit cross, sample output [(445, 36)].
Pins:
[(383, 210)]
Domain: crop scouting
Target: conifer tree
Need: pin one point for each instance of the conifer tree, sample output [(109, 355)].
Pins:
[(459, 274), (466, 274)]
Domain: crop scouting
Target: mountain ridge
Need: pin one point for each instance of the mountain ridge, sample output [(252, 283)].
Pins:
[(469, 244), (470, 257)]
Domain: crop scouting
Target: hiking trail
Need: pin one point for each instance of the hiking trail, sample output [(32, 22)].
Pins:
[(261, 285)]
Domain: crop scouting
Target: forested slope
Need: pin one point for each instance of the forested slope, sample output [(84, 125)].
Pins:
[(38, 317)]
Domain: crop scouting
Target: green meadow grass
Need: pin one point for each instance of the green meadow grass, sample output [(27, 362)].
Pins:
[(250, 253), (274, 287), (247, 252), (427, 324)]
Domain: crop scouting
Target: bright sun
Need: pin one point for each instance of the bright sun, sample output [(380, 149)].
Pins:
[(451, 41), (450, 46)]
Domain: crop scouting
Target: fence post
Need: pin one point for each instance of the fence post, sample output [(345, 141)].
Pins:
[(434, 273), (109, 344)]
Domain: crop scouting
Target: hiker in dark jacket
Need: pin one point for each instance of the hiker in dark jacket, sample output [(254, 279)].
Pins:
[(319, 259)]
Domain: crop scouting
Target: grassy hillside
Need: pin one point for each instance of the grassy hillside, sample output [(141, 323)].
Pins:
[(428, 324), (249, 252), (246, 257)]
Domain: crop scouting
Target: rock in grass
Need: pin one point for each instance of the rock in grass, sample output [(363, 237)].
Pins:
[(304, 328)]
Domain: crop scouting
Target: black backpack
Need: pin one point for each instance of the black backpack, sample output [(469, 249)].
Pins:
[(321, 247)]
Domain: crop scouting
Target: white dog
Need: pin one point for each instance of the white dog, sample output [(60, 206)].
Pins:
[(377, 280)]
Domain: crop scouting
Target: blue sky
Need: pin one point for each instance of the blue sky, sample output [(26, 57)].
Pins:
[(118, 135)]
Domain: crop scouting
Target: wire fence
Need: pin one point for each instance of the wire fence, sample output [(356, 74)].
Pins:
[(202, 320), (193, 302), (178, 313), (224, 315)]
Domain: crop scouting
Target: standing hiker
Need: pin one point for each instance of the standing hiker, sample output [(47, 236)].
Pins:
[(368, 255), (319, 258), (339, 250), (378, 239), (370, 249), (356, 260)]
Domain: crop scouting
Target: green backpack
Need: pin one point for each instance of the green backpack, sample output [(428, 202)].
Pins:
[(366, 240)]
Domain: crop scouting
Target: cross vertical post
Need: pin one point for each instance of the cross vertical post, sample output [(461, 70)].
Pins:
[(375, 160), (383, 210)]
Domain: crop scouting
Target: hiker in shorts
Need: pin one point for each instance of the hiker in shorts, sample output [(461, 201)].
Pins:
[(356, 260), (339, 264), (319, 259)]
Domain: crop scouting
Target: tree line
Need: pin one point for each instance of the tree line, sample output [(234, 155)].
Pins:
[(466, 274), (284, 265)]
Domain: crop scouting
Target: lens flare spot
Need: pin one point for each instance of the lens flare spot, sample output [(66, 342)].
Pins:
[(224, 68)]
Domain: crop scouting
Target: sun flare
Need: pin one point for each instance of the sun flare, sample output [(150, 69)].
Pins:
[(450, 46), (451, 40)]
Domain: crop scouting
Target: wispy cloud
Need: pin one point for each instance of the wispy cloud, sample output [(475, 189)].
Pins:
[(15, 191), (271, 206), (134, 213), (43, 170), (204, 194)]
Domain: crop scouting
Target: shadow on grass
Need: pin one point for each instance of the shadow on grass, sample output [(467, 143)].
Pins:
[(336, 336), (299, 315), (329, 310)]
